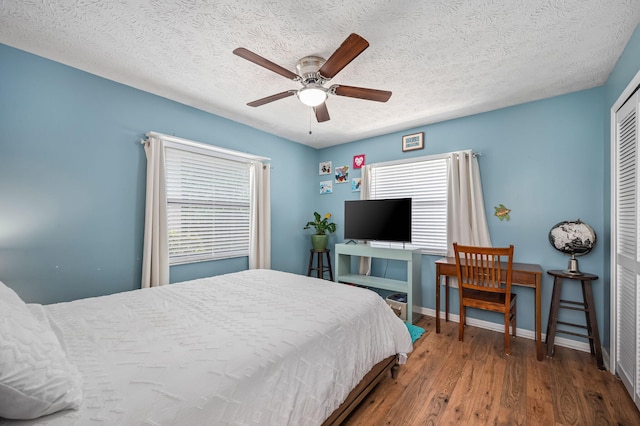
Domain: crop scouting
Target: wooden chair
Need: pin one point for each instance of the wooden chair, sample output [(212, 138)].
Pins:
[(484, 282)]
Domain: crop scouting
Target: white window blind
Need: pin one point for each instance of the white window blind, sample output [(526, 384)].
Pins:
[(208, 206), (425, 181)]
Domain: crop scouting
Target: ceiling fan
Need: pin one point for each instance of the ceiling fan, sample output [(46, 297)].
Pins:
[(313, 72)]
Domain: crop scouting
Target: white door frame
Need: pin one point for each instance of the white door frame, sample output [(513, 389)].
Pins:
[(626, 93)]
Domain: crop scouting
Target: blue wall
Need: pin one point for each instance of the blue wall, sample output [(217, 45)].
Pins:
[(542, 160), (72, 180)]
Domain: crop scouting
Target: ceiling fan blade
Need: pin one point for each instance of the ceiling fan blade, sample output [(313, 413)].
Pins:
[(263, 62), (322, 113), (272, 98), (347, 52), (361, 93)]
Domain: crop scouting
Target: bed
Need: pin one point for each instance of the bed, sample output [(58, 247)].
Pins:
[(257, 347)]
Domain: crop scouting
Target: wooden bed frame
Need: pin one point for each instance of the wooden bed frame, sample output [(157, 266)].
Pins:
[(363, 388)]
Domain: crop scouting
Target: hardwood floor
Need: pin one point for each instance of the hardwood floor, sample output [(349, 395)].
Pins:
[(472, 382)]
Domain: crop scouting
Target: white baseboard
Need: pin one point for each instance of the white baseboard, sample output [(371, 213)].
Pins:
[(527, 334)]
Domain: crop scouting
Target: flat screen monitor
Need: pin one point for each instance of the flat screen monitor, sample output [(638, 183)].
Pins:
[(378, 220)]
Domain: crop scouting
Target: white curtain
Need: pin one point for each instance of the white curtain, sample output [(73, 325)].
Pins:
[(466, 218), (364, 263), (155, 256), (260, 241)]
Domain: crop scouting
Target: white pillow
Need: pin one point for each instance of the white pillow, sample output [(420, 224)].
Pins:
[(36, 378)]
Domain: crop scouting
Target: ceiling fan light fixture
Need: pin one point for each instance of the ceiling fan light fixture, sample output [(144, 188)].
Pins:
[(312, 95)]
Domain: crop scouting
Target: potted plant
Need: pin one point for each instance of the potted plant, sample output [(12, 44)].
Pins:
[(320, 239)]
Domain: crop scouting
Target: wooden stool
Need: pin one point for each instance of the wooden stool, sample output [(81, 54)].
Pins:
[(587, 306), (321, 268)]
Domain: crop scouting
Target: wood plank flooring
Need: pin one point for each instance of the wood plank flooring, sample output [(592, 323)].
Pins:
[(447, 382)]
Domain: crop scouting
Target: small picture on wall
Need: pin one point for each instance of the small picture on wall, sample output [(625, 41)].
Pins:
[(356, 183), (326, 187), (358, 161), (342, 174), (414, 141), (325, 168)]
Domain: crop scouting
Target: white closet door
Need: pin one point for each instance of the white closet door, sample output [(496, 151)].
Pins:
[(627, 248)]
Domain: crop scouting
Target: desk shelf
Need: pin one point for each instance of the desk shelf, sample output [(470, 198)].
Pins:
[(376, 282), (414, 269)]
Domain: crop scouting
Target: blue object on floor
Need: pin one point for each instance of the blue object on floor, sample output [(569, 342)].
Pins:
[(414, 331)]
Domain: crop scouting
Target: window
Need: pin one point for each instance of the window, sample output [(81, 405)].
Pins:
[(208, 206), (425, 181)]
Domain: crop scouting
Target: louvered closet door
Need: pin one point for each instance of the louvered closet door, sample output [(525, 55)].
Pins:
[(627, 248)]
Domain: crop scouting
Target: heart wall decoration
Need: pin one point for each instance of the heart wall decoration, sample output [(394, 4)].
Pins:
[(358, 161)]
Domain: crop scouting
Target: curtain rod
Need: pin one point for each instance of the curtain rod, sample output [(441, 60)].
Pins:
[(204, 146), (425, 158), (467, 151)]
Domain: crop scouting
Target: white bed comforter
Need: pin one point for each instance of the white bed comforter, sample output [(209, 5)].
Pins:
[(257, 347)]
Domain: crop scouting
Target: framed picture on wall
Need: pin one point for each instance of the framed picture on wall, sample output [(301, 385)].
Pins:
[(326, 187), (325, 168), (342, 174), (413, 141), (356, 184)]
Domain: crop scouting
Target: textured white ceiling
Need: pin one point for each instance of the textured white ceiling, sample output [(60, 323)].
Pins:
[(442, 59)]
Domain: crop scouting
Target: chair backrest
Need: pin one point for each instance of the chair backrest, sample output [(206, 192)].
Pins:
[(484, 268)]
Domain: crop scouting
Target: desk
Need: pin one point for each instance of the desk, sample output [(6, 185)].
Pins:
[(523, 274)]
